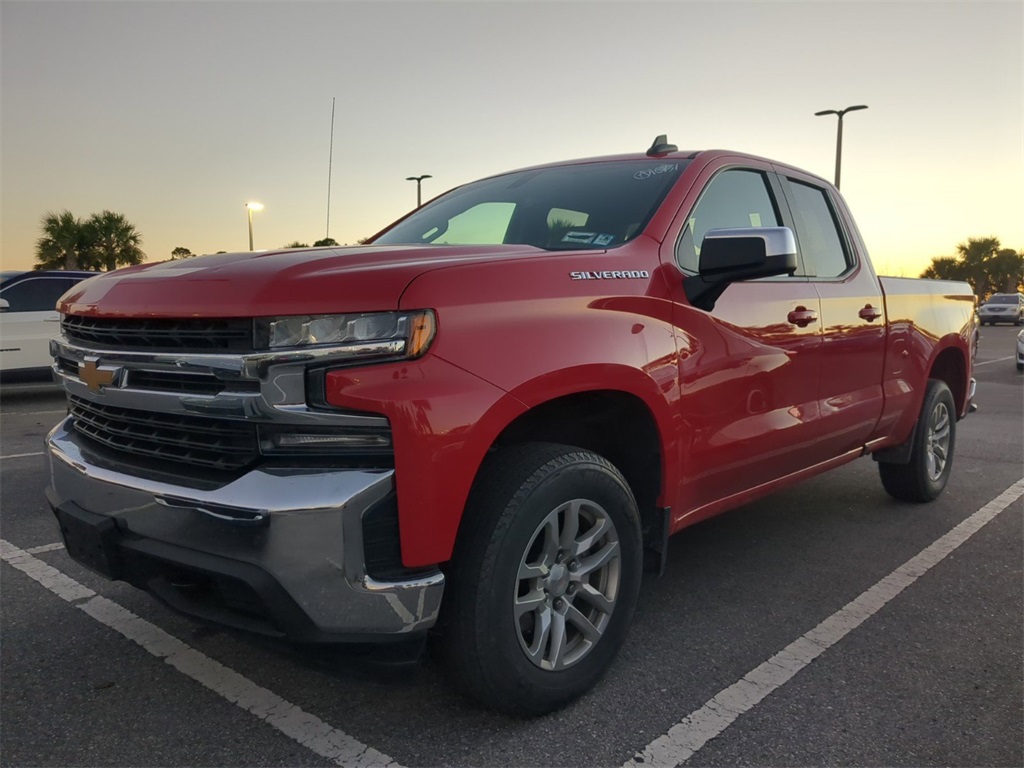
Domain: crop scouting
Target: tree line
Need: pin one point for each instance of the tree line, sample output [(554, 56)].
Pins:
[(103, 242), (985, 264), (184, 253), (107, 240)]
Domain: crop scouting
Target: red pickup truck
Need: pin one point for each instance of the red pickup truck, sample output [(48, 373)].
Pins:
[(487, 421)]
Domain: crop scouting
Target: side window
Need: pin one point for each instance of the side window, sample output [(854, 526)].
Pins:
[(36, 294), (732, 199), (817, 229), (483, 223)]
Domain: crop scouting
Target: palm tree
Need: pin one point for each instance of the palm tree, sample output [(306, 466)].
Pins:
[(982, 263), (113, 241), (62, 243)]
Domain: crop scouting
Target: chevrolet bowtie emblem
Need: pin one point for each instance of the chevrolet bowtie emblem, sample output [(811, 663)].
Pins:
[(95, 377)]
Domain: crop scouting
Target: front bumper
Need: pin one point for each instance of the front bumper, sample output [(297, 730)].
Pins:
[(276, 551)]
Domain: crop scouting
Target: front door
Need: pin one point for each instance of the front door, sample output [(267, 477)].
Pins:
[(749, 370)]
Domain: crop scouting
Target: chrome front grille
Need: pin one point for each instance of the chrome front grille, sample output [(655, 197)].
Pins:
[(171, 381), (186, 383), (210, 414), (161, 334), (221, 444)]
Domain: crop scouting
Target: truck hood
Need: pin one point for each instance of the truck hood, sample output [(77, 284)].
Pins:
[(294, 282)]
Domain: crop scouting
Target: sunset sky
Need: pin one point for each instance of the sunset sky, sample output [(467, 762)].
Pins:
[(177, 113)]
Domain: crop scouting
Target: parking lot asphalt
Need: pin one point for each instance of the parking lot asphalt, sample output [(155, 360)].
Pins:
[(98, 673)]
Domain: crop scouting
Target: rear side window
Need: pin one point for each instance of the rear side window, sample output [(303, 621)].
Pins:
[(817, 229), (734, 198), (37, 294)]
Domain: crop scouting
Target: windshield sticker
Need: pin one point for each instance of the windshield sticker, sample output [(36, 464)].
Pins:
[(603, 239), (647, 173), (755, 219), (579, 237)]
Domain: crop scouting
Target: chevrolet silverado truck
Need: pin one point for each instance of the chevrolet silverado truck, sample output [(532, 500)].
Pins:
[(486, 422)]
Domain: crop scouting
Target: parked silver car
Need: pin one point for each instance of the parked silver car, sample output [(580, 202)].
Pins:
[(1002, 308)]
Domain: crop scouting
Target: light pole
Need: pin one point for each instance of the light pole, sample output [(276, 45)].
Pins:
[(839, 132), (418, 179), (252, 207)]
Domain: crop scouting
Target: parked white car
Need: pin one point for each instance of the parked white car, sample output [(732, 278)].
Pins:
[(29, 319), (1020, 351)]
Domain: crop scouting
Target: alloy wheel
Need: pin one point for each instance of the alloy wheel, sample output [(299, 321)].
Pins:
[(567, 585)]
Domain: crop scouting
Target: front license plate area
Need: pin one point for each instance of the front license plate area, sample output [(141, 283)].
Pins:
[(91, 540)]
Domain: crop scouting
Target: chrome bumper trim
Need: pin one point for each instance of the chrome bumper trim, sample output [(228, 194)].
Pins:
[(303, 527)]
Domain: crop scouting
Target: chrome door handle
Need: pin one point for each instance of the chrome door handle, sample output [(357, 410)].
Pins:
[(802, 317), (870, 313)]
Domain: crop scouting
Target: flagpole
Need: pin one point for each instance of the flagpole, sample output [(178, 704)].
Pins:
[(330, 162)]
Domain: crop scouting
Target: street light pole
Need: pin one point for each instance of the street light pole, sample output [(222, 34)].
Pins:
[(839, 133), (418, 179), (252, 207)]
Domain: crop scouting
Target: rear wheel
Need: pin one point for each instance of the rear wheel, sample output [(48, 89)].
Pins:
[(925, 476), (545, 578)]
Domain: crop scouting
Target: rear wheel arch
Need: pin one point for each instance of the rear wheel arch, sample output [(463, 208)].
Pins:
[(929, 458), (950, 367)]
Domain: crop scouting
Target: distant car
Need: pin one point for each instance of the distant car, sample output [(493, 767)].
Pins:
[(1003, 308), (1020, 351), (29, 319)]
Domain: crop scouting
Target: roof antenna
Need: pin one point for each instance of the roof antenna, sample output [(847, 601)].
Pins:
[(661, 147)]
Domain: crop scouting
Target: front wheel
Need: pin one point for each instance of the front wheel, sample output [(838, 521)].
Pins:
[(925, 476), (544, 580)]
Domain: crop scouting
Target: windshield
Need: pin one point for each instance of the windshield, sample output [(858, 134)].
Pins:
[(594, 205), (1011, 299)]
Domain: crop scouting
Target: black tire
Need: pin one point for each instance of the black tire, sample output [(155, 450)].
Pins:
[(925, 476), (507, 533)]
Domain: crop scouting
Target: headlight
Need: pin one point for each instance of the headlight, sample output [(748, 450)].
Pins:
[(368, 334)]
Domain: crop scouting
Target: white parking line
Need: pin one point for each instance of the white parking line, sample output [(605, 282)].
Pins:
[(308, 730), (44, 548), (20, 455), (687, 737), (989, 362), (36, 413)]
